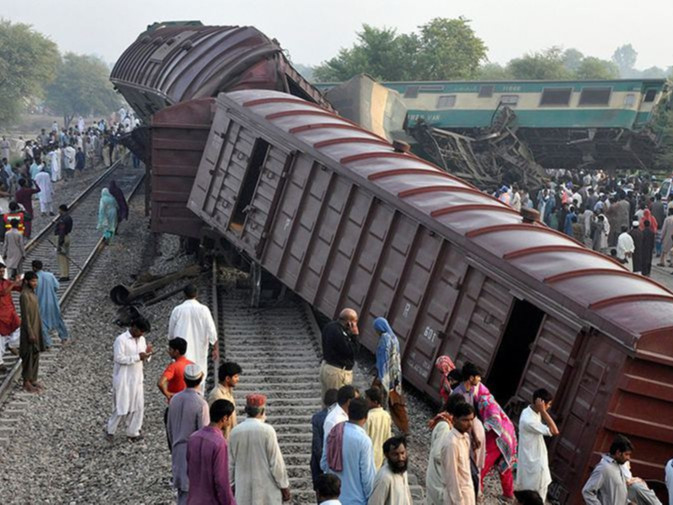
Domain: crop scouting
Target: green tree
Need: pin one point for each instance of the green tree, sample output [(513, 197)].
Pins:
[(546, 65), (449, 50), (663, 126), (654, 73), (625, 58), (443, 49), (493, 72), (376, 53), (82, 87), (28, 62), (595, 68), (572, 59)]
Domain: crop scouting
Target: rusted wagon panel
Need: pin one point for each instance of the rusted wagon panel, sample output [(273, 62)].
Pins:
[(173, 62), (350, 221), (178, 139)]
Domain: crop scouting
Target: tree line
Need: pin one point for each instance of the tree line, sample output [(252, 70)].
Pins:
[(448, 49), (32, 71)]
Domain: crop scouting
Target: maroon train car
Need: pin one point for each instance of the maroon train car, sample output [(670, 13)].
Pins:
[(174, 62), (343, 219)]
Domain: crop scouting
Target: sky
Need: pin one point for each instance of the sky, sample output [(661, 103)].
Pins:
[(314, 30)]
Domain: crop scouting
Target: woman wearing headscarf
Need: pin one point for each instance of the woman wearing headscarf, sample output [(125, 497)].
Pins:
[(647, 216), (118, 195), (107, 214), (445, 366), (389, 372), (501, 441)]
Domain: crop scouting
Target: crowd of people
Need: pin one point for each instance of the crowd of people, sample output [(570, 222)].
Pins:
[(360, 450), (628, 218)]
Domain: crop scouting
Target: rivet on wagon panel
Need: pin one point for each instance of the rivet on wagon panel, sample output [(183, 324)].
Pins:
[(355, 224)]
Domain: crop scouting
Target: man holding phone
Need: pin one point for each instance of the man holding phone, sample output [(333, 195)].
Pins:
[(130, 352)]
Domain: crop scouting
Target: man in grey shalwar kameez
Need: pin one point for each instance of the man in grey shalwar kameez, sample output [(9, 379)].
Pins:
[(607, 483), (188, 412)]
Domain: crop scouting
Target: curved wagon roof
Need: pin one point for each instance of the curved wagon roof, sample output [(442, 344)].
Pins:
[(173, 62), (549, 266)]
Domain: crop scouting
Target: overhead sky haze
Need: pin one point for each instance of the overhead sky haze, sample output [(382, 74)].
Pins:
[(313, 30)]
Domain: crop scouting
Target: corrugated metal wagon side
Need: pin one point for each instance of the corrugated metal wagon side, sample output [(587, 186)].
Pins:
[(178, 139), (341, 218)]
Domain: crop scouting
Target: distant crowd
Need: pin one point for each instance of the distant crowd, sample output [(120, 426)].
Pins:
[(628, 218)]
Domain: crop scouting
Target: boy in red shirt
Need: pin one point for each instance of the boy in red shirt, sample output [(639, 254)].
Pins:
[(172, 381)]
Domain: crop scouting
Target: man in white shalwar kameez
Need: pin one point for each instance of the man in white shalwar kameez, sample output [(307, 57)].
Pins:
[(193, 321), (46, 194), (256, 466), (130, 352), (80, 124), (533, 466), (55, 164), (625, 248)]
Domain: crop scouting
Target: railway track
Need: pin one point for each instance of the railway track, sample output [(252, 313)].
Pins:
[(278, 348), (86, 245)]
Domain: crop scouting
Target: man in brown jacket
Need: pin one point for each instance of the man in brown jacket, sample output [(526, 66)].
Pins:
[(31, 342)]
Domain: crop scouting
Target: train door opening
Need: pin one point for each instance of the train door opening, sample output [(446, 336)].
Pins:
[(247, 191), (515, 348)]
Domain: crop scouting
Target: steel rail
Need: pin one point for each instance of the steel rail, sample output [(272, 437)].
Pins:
[(12, 375)]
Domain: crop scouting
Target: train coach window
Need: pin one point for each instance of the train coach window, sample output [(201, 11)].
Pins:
[(486, 91), (411, 92), (649, 95), (555, 96), (446, 101), (595, 96), (247, 190)]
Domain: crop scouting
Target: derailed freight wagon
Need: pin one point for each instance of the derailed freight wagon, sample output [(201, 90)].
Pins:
[(343, 219), (174, 62)]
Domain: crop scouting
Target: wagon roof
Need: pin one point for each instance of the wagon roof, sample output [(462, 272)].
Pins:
[(549, 267), (186, 60)]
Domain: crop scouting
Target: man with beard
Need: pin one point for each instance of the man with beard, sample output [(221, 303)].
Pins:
[(391, 486), (607, 483)]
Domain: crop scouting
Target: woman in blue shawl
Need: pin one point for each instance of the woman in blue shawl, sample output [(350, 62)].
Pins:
[(107, 214), (389, 372)]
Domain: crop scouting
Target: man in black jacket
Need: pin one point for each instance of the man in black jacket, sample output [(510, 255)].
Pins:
[(339, 346)]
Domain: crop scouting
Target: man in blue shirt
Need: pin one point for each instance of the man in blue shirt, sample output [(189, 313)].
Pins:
[(317, 422), (350, 456)]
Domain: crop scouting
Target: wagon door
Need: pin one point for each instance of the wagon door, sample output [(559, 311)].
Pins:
[(581, 413), (236, 188), (221, 171)]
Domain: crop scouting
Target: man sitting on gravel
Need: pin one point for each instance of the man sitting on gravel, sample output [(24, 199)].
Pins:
[(187, 412), (130, 352), (228, 376)]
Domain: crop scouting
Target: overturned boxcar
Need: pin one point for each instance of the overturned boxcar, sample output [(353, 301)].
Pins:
[(173, 62), (343, 219)]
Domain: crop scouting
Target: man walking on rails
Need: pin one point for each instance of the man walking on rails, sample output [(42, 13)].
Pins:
[(32, 343)]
